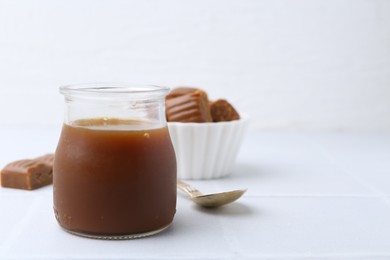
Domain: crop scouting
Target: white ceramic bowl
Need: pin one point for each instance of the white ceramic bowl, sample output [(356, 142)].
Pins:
[(207, 150)]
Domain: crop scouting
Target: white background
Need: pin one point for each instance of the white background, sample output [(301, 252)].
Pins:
[(296, 65)]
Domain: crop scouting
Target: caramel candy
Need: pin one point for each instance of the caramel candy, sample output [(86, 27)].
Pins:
[(28, 174), (180, 91), (188, 105), (222, 110)]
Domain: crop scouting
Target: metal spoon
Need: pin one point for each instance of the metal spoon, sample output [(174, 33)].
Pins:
[(210, 200)]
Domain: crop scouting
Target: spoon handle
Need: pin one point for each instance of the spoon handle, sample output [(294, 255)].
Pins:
[(191, 191)]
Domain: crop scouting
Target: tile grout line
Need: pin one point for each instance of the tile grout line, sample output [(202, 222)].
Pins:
[(332, 159), (341, 196), (229, 237)]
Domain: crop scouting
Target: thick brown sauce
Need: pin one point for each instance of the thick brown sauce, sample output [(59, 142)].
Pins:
[(113, 178)]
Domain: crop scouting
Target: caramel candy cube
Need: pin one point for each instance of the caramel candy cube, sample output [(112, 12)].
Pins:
[(222, 110), (28, 174), (188, 107), (180, 91)]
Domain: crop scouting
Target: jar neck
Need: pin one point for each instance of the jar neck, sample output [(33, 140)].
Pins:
[(129, 103)]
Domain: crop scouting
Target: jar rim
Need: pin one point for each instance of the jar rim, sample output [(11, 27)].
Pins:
[(106, 89)]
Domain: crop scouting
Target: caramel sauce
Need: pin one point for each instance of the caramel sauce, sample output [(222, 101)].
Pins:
[(114, 177)]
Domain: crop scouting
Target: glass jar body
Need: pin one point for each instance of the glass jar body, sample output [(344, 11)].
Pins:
[(114, 172)]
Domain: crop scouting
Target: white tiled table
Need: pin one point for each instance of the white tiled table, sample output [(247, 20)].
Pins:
[(310, 196)]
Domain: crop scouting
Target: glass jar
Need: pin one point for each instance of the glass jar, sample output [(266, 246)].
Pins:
[(114, 174)]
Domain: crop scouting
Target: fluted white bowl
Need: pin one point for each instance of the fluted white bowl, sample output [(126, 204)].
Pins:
[(207, 150)]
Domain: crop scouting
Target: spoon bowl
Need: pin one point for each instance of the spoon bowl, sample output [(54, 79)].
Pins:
[(210, 200)]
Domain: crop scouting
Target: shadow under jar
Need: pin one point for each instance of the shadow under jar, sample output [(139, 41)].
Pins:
[(114, 172)]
